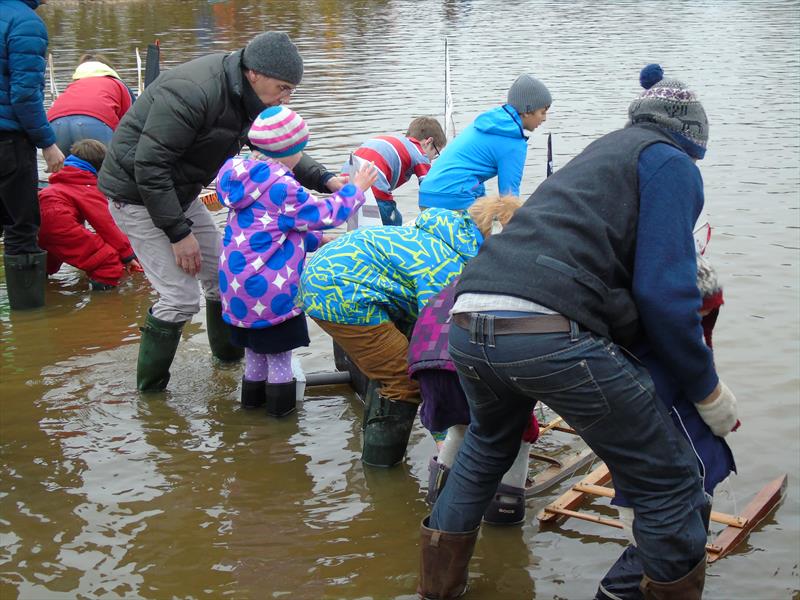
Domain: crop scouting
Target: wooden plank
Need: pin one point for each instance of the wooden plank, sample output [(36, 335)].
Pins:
[(551, 425), (574, 498), (608, 492), (565, 429), (565, 512), (558, 471), (762, 505)]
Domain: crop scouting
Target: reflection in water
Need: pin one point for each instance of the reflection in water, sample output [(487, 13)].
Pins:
[(106, 493)]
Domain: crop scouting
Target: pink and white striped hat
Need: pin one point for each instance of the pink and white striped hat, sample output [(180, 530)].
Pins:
[(279, 131)]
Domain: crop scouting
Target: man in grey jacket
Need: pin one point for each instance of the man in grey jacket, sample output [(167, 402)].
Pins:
[(169, 145)]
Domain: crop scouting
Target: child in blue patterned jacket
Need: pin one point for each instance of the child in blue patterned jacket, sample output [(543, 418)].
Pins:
[(366, 290), (272, 223)]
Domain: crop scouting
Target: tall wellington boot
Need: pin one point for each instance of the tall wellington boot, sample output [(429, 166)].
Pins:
[(26, 276), (281, 398), (444, 562), (253, 394), (688, 587), (219, 337), (387, 427), (156, 351)]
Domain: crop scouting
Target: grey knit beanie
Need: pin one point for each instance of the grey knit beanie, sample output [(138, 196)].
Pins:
[(671, 105), (528, 94), (273, 54)]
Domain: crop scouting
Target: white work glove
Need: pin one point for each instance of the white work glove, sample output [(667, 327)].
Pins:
[(719, 410)]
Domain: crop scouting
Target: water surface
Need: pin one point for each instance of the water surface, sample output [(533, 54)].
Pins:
[(107, 494)]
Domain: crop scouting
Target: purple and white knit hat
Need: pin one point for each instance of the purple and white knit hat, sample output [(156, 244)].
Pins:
[(670, 104), (278, 132)]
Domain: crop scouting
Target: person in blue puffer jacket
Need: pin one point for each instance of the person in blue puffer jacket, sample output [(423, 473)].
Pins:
[(23, 128), (494, 145)]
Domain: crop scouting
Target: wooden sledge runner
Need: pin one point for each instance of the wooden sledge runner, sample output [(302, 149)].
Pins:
[(558, 468), (738, 527)]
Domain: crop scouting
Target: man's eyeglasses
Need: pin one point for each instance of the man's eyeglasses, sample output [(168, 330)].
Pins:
[(435, 149)]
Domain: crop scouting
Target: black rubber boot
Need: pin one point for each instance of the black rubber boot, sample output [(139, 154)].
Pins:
[(156, 351), (281, 398), (253, 394), (26, 276), (507, 506), (387, 427), (218, 335)]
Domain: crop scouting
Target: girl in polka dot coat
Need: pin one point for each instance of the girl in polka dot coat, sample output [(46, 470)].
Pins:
[(272, 223)]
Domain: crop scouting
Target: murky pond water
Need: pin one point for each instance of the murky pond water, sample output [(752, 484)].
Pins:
[(106, 494)]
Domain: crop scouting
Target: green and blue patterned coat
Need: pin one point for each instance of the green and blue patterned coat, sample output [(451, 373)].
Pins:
[(379, 274)]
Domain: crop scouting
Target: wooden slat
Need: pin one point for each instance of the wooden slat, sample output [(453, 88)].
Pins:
[(551, 425), (607, 492), (565, 429), (573, 498), (565, 512), (711, 549)]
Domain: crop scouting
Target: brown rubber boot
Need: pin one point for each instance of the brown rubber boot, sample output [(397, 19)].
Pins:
[(444, 562), (688, 587)]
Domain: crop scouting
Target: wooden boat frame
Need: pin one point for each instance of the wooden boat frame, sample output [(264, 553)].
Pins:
[(738, 527)]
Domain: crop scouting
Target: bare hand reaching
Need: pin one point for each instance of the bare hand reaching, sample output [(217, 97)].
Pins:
[(365, 177), (54, 158), (187, 254)]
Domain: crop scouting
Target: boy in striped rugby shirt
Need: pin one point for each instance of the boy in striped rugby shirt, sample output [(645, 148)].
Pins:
[(398, 158)]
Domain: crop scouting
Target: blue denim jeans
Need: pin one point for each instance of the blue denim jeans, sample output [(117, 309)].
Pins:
[(609, 400), (389, 213), (73, 128)]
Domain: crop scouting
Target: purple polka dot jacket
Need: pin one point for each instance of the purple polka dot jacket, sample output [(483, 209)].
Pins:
[(272, 223)]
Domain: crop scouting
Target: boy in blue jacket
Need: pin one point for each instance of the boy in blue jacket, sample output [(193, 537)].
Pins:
[(494, 145)]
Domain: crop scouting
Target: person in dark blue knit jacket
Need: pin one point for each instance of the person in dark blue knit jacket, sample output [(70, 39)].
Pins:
[(599, 259)]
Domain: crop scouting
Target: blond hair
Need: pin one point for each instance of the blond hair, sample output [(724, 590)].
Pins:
[(489, 210)]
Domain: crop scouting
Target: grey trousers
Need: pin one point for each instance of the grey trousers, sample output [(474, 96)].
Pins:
[(178, 292)]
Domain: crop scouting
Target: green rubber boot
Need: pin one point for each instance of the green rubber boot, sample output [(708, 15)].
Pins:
[(387, 427), (156, 351), (26, 276), (219, 337)]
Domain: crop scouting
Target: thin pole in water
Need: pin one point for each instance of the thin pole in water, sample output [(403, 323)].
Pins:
[(449, 123), (53, 88)]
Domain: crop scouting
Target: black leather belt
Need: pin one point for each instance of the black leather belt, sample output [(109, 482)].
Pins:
[(509, 325)]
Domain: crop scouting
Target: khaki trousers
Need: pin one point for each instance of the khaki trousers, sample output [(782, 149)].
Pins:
[(178, 292), (380, 352)]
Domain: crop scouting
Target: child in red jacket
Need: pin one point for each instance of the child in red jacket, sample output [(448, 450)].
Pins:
[(71, 199)]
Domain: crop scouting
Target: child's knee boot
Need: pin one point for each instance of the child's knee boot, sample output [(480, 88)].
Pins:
[(281, 398)]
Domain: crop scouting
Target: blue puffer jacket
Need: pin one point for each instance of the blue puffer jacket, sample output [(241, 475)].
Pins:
[(22, 65)]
